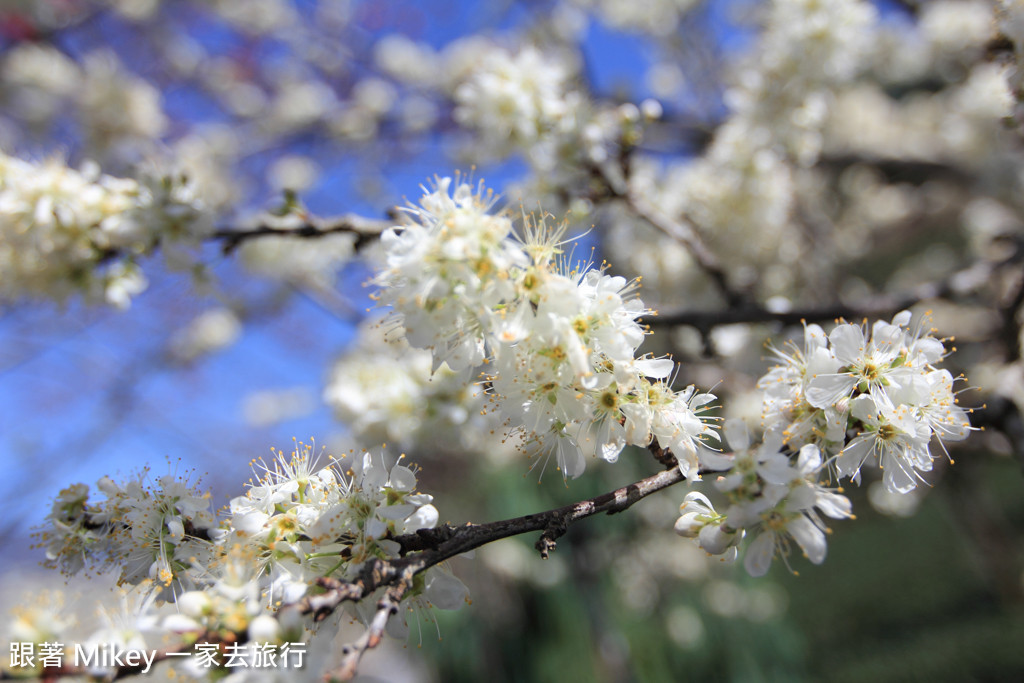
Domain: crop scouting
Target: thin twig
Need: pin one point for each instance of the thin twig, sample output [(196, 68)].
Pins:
[(387, 607), (680, 231)]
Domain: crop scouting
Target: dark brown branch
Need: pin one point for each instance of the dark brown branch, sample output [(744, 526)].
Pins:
[(434, 546), (431, 547), (911, 6), (1011, 325), (664, 456), (899, 170), (880, 306), (365, 230)]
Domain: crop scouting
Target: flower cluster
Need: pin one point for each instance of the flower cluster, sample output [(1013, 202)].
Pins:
[(296, 523), (560, 343), (528, 102), (66, 232), (659, 17), (298, 520), (449, 270), (152, 532), (810, 46), (839, 403), (387, 392), (740, 193), (884, 385), (773, 496), (302, 521), (516, 98)]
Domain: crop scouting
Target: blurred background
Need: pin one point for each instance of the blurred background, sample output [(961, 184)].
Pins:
[(829, 160)]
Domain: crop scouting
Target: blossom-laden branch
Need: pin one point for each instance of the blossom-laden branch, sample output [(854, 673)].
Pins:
[(430, 547), (872, 308), (67, 233), (561, 342), (227, 614), (435, 545), (314, 539)]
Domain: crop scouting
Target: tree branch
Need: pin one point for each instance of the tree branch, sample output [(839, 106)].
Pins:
[(680, 231), (430, 547), (420, 551), (365, 229), (959, 283), (387, 607)]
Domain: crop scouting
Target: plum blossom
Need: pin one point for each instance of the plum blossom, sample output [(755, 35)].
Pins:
[(559, 341), (884, 385)]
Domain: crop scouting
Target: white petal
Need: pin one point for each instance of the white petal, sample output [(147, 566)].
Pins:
[(373, 476), (175, 527), (736, 435), (570, 459), (374, 528), (953, 426), (444, 591), (833, 505), (809, 459), (610, 451), (331, 523), (715, 541), (897, 479), (929, 351), (759, 554), (656, 368), (853, 456), (638, 423), (249, 523), (887, 339), (865, 409), (824, 391), (688, 525), (264, 629), (402, 478), (393, 513), (697, 499), (179, 623), (710, 460), (848, 343), (776, 469), (424, 518), (902, 319), (810, 538), (814, 337)]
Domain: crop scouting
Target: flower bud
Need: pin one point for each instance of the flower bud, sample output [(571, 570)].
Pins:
[(264, 629), (194, 604), (715, 540)]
